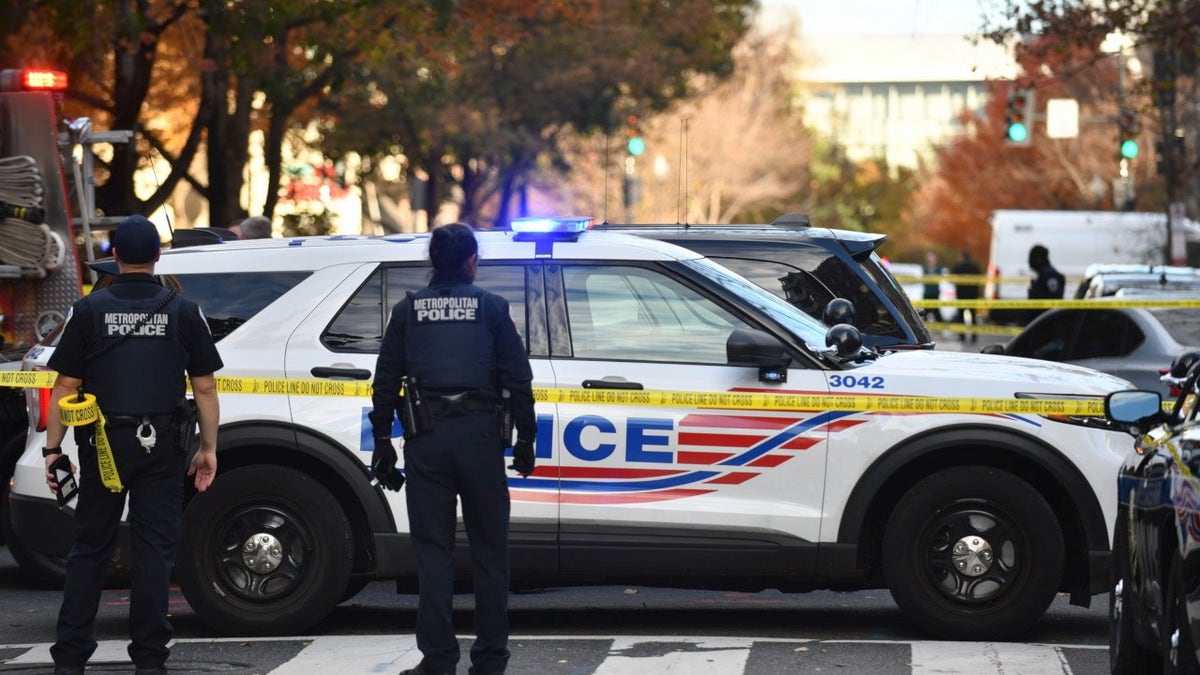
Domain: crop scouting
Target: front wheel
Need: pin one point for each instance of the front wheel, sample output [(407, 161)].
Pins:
[(265, 551), (42, 570), (1125, 653), (973, 553), (1178, 647)]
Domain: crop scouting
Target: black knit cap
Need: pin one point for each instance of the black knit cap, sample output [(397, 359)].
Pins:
[(136, 241)]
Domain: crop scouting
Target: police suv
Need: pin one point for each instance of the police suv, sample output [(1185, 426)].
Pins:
[(973, 521)]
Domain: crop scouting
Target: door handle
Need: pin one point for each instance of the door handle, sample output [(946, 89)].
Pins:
[(611, 384), (333, 372)]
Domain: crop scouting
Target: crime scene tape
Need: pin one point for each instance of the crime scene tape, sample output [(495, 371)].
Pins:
[(78, 412), (1048, 304), (676, 399), (978, 328), (960, 279)]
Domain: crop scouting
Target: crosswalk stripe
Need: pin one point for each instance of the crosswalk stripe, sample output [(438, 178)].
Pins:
[(635, 655), (353, 655), (1002, 658)]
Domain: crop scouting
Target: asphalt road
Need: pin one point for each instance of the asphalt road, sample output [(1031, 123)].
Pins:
[(605, 630)]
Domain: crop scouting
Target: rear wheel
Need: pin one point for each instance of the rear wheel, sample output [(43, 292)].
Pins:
[(43, 570), (973, 553), (265, 551)]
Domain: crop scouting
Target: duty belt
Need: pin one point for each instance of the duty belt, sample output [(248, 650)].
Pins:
[(459, 404)]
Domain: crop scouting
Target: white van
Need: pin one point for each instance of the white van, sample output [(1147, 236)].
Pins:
[(1075, 239)]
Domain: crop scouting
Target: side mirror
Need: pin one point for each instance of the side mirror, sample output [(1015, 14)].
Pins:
[(746, 346), (1134, 407), (992, 349), (845, 338), (839, 310)]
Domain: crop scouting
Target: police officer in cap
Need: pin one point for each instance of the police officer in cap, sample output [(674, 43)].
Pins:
[(460, 345), (129, 346)]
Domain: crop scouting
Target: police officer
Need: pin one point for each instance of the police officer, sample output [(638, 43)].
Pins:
[(128, 346), (462, 348), (1049, 283)]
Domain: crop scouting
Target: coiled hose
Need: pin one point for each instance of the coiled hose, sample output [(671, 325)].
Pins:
[(31, 246)]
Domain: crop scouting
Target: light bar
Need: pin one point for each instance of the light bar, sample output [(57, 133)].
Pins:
[(569, 225), (32, 80)]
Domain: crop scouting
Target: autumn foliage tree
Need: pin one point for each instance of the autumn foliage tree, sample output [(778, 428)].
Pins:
[(980, 172)]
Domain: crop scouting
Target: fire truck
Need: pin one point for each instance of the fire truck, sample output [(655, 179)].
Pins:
[(46, 222)]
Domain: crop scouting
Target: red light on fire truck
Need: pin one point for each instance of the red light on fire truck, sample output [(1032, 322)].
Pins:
[(26, 79)]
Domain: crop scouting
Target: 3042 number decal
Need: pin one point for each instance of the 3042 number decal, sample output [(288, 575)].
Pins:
[(856, 381)]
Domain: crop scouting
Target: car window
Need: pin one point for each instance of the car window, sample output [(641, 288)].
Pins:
[(1182, 324), (1048, 339), (1106, 333), (358, 327), (636, 314), (229, 300)]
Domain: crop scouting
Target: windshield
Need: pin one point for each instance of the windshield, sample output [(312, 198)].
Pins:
[(805, 328)]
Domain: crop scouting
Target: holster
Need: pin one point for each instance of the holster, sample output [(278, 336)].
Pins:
[(187, 415), (415, 415)]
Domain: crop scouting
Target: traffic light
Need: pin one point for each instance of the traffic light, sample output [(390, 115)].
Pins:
[(1018, 116), (1127, 123), (635, 145)]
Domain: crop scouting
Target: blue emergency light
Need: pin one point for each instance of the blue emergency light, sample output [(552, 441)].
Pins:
[(533, 226)]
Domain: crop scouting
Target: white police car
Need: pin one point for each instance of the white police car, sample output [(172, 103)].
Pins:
[(974, 521)]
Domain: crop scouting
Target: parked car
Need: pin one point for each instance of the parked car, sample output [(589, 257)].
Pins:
[(1133, 343), (809, 266), (1154, 603), (1104, 280), (683, 493)]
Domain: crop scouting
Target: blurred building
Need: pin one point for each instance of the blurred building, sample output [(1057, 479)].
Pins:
[(896, 96)]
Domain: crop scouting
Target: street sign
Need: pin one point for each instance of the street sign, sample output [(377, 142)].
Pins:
[(1062, 118)]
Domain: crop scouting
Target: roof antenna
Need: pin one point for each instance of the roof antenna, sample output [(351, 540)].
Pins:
[(604, 209), (680, 201)]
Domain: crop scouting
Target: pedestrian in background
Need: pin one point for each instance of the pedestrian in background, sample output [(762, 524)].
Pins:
[(130, 346), (966, 291), (1048, 283), (255, 227), (931, 288), (460, 344)]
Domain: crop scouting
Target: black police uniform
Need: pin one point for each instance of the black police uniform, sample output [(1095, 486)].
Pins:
[(141, 376), (456, 338), (1049, 284)]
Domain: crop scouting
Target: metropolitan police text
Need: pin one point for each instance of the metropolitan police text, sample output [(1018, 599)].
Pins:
[(124, 323), (446, 308)]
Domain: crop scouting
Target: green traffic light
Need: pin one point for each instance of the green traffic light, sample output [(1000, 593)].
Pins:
[(1017, 133), (1129, 149), (636, 146)]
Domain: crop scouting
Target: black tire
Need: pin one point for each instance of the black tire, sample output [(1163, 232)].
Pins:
[(301, 561), (973, 553), (1179, 654), (1125, 653), (41, 570)]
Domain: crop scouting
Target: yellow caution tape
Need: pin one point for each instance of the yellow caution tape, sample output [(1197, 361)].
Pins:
[(36, 379), (977, 328), (1047, 304), (960, 279), (689, 399), (77, 413)]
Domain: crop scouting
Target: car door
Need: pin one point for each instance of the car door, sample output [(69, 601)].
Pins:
[(656, 492), (341, 341)]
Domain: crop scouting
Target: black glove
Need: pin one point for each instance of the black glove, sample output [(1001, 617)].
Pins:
[(383, 465), (522, 457)]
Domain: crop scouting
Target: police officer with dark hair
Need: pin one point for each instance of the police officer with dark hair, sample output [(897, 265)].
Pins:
[(126, 349), (1048, 284), (460, 345)]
